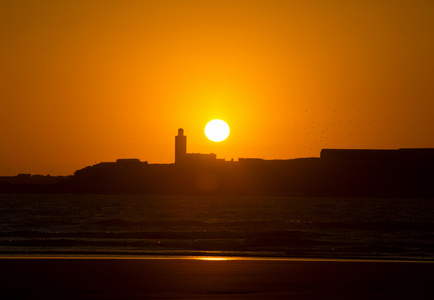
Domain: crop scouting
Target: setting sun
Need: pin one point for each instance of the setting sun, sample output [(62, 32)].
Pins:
[(217, 130)]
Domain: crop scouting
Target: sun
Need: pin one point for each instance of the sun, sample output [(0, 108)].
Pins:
[(217, 130)]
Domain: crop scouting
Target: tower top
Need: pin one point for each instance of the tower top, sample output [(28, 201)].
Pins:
[(180, 132)]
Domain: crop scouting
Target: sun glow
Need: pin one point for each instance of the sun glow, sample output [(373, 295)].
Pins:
[(217, 130)]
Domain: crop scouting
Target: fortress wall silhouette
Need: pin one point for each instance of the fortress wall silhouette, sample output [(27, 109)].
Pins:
[(402, 155)]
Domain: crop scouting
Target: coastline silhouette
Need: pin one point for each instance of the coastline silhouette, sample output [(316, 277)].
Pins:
[(337, 172)]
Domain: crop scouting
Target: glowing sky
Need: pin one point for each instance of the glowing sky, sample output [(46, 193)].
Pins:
[(88, 81)]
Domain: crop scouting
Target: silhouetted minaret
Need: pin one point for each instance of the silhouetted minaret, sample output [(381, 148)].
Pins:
[(180, 146)]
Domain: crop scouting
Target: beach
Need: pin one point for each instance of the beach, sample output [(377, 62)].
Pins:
[(194, 278)]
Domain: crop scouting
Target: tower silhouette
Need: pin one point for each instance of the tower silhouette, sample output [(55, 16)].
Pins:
[(180, 146)]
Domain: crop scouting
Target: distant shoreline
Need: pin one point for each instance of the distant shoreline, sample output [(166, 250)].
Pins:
[(401, 173)]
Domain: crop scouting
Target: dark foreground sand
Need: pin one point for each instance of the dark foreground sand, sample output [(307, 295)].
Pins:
[(202, 279)]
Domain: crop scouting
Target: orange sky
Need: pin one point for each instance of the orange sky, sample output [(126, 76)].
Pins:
[(88, 81)]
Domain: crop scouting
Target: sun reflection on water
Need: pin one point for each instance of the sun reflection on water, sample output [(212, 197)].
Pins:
[(213, 258)]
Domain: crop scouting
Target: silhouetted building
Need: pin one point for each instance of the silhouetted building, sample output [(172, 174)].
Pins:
[(130, 161), (402, 155), (200, 158), (358, 155), (180, 146), (190, 159)]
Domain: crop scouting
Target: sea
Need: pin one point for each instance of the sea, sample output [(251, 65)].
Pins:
[(216, 226)]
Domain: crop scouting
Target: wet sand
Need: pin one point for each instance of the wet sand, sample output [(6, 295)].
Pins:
[(207, 279)]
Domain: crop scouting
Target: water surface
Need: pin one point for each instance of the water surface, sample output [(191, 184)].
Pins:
[(288, 227)]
